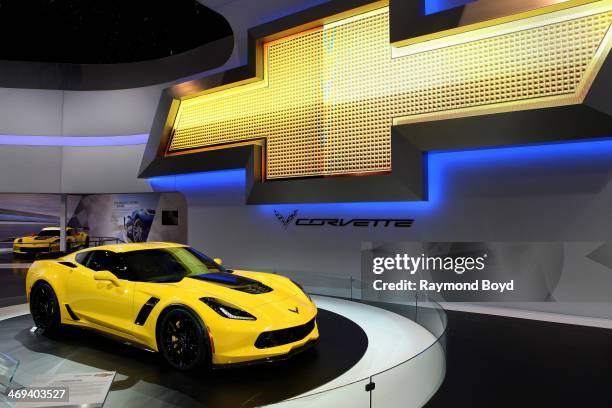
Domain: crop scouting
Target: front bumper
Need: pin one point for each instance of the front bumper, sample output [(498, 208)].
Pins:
[(282, 357), (241, 341), (32, 249), (275, 338), (239, 347)]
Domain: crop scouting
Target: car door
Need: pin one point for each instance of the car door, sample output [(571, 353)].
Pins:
[(105, 304)]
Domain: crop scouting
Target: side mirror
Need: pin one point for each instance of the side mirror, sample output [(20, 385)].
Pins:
[(218, 261), (107, 276)]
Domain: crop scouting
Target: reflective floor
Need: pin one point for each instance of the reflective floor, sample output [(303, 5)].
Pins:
[(12, 279), (144, 380)]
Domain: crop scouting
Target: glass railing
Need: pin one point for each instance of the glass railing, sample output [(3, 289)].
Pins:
[(408, 383), (413, 382), (326, 284)]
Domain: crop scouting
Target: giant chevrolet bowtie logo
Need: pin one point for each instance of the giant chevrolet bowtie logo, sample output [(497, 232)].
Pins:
[(330, 95), (327, 97)]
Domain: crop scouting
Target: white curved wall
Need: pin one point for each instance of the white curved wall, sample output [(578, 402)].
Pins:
[(73, 113), (77, 170)]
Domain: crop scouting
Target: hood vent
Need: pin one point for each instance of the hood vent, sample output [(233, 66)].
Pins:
[(254, 289), (235, 282)]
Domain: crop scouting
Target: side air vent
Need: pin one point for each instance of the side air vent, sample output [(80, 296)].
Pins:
[(68, 264), (145, 311), (73, 316)]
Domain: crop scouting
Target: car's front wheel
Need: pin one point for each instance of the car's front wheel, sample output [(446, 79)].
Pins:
[(44, 308), (182, 340)]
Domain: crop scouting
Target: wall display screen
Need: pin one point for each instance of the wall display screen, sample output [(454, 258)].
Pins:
[(170, 217)]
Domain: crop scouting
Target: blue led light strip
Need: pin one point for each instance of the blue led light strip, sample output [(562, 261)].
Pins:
[(440, 166)]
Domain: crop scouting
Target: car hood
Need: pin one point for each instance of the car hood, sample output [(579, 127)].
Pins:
[(231, 287)]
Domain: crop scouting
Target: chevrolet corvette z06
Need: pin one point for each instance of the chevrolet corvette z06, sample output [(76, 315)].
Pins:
[(48, 241), (175, 300)]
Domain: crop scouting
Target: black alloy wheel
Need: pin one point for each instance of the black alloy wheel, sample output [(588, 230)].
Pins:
[(44, 308), (182, 340)]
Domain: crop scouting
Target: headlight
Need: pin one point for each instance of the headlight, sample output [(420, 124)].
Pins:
[(302, 289), (227, 311)]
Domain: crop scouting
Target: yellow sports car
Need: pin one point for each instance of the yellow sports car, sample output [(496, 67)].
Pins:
[(48, 241), (173, 299)]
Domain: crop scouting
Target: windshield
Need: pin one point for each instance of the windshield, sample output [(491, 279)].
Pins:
[(50, 233), (168, 264)]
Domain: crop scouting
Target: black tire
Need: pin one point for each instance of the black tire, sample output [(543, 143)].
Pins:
[(182, 339), (45, 308)]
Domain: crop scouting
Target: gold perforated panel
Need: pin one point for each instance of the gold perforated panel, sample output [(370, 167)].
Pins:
[(330, 95)]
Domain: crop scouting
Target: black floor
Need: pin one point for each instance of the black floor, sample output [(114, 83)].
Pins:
[(144, 375), (505, 362)]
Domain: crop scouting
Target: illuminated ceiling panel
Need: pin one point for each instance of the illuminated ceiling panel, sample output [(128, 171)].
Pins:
[(330, 95)]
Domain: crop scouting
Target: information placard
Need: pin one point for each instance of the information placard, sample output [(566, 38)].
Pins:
[(83, 389)]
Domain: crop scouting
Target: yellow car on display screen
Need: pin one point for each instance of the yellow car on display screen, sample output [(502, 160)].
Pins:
[(48, 241), (173, 299)]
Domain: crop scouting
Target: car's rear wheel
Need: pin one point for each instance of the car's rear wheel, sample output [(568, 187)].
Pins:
[(44, 308), (182, 340)]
